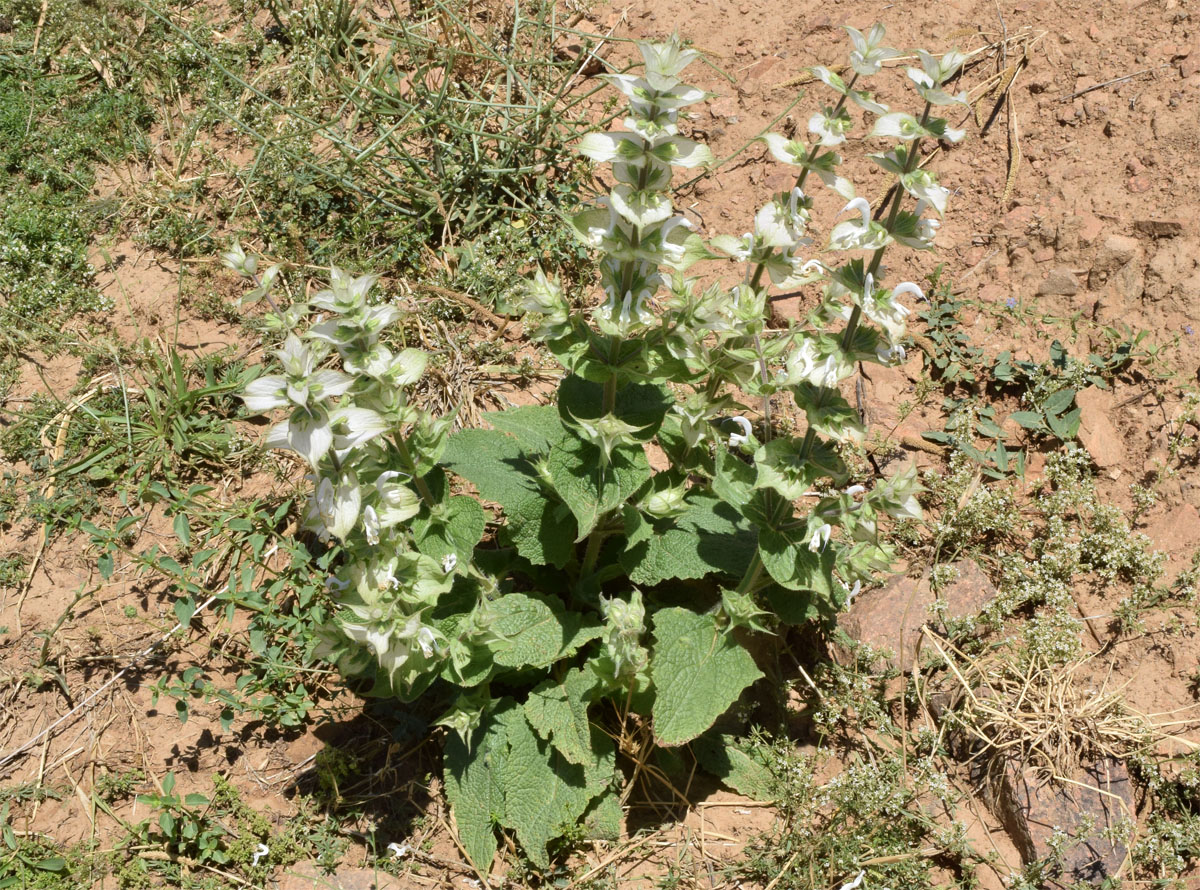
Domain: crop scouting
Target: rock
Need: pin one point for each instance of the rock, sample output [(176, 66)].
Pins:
[(1115, 252), (1060, 281), (1032, 809), (310, 876), (724, 108), (1190, 64), (1129, 283), (1096, 431), (1159, 228), (1139, 185), (891, 617)]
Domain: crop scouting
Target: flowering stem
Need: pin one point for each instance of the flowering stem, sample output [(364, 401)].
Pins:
[(410, 467), (271, 301), (910, 162), (813, 148)]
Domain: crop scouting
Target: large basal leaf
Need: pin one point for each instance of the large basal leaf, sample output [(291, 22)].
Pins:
[(543, 531), (698, 672), (493, 461), (557, 710), (710, 536), (536, 427), (473, 781), (588, 486), (537, 635), (544, 793)]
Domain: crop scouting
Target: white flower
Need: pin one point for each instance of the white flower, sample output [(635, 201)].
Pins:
[(888, 355), (370, 522), (867, 54), (308, 433), (235, 258), (607, 147), (664, 61), (642, 208), (888, 314), (397, 851), (897, 125), (449, 562), (352, 427), (333, 509), (820, 538), (266, 393), (861, 234), (923, 185), (781, 222), (852, 593), (856, 883), (345, 294), (785, 150), (738, 248), (831, 129), (259, 852), (740, 438), (335, 584)]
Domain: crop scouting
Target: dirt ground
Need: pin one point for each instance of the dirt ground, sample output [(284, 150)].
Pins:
[(1101, 223)]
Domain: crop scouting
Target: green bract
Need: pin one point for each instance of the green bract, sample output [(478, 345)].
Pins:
[(600, 581)]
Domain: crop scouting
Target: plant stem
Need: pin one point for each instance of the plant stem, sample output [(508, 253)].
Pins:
[(910, 162), (410, 467), (592, 553)]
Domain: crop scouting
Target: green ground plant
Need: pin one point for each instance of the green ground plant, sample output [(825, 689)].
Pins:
[(609, 587)]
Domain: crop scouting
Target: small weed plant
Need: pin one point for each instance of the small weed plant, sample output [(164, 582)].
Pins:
[(654, 519)]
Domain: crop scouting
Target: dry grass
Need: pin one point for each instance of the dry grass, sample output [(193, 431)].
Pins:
[(1052, 716)]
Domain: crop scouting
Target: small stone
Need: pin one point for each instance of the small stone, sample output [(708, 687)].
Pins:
[(891, 617), (1159, 228), (1190, 64), (1130, 283), (724, 108), (1033, 808), (761, 67), (1139, 184), (1115, 252), (1059, 282), (1096, 431)]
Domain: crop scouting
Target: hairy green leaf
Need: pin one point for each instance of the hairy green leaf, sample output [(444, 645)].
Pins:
[(788, 561), (473, 783), (710, 536), (537, 633), (536, 427), (543, 792), (557, 709), (457, 531), (543, 531), (744, 769), (493, 461), (698, 670), (588, 486)]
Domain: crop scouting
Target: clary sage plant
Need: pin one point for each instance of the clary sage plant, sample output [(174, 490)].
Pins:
[(599, 588)]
